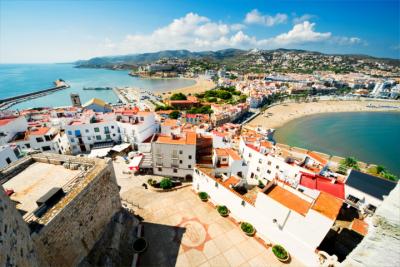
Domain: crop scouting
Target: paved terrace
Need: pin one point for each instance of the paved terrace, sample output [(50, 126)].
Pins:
[(35, 181), (184, 231)]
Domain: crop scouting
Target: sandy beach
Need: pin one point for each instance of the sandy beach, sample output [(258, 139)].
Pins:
[(277, 116), (201, 85)]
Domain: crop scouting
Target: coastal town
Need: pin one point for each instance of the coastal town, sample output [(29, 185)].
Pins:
[(199, 133), (194, 176)]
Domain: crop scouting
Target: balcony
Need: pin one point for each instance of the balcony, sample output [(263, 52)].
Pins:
[(175, 156)]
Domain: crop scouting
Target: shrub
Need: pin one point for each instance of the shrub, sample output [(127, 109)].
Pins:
[(261, 184), (174, 114), (178, 96), (203, 196), (280, 252), (166, 183), (223, 210), (247, 227), (150, 181)]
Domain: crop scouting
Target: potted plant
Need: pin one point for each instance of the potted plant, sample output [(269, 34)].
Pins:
[(140, 245), (223, 211), (203, 196), (280, 253), (248, 228)]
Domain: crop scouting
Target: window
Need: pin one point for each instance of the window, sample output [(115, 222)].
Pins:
[(258, 169), (260, 161), (243, 203), (108, 136), (98, 137), (69, 132), (180, 162), (252, 175), (175, 170), (269, 163), (46, 148), (96, 129), (112, 127), (87, 130), (39, 139), (180, 152), (106, 129), (27, 145), (216, 184), (159, 169), (8, 160), (277, 167), (189, 166), (190, 156), (78, 133), (89, 138), (141, 118), (249, 155), (269, 171), (113, 135), (353, 198)]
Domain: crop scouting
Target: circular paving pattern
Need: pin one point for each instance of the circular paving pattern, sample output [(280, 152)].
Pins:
[(195, 234)]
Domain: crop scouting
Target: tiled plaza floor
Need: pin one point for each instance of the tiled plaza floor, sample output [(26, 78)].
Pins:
[(184, 231)]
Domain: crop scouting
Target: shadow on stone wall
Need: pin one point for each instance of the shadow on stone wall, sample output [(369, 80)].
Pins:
[(115, 246)]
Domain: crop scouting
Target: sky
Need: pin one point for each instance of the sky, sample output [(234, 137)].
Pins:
[(65, 31)]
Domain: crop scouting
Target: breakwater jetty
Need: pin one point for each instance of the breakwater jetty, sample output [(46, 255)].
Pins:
[(8, 102)]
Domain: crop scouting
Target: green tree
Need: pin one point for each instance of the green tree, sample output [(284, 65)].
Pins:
[(174, 114), (380, 169), (178, 96)]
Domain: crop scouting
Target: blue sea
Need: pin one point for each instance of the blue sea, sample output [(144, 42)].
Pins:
[(16, 79), (371, 137)]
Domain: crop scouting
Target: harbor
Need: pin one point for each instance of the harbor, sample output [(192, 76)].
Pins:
[(6, 103)]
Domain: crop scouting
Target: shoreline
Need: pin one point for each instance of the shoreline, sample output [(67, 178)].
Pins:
[(281, 114), (201, 85)]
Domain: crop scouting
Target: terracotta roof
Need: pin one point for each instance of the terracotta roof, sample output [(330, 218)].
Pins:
[(317, 157), (221, 152), (327, 205), (39, 131), (231, 181), (6, 121), (359, 226), (170, 122), (188, 139), (288, 199), (233, 154)]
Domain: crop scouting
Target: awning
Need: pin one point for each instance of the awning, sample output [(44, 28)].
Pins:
[(99, 153), (134, 164), (121, 147)]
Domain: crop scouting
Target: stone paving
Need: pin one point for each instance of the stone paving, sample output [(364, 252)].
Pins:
[(184, 231)]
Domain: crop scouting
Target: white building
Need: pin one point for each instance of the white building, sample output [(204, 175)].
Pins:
[(279, 213), (174, 155), (9, 127), (7, 155)]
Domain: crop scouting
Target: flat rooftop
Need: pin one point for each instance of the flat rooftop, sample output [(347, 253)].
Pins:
[(288, 199), (35, 181)]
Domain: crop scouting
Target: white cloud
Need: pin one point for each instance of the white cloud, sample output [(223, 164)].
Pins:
[(344, 40), (255, 17), (195, 32), (302, 33), (302, 18)]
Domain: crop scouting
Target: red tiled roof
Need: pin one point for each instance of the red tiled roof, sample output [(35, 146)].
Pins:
[(322, 184), (360, 227), (6, 121), (39, 131)]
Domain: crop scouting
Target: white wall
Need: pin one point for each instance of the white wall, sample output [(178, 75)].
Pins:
[(300, 235), (9, 130), (6, 153)]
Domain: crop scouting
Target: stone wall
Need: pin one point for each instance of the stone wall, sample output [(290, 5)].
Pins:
[(16, 246), (80, 218)]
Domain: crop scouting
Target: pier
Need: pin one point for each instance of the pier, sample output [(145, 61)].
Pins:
[(6, 103)]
